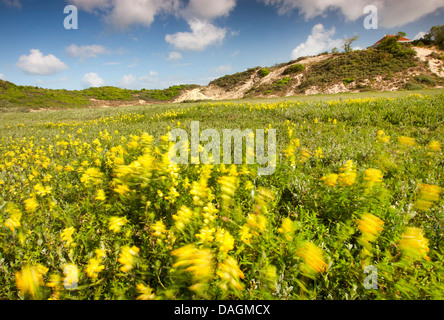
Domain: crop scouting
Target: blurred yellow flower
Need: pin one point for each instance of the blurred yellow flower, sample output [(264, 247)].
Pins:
[(94, 267), (127, 257), (206, 234), (225, 240), (13, 222), (406, 141), (428, 194), (29, 279), (145, 292), (66, 235), (373, 176), (228, 270), (100, 195), (31, 204), (287, 228), (414, 244), (116, 223), (313, 258), (347, 175), (198, 262), (159, 229), (370, 226), (330, 180), (434, 145)]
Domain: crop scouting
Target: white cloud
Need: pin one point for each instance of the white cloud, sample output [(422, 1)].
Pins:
[(319, 41), (122, 14), (111, 64), (85, 52), (2, 76), (224, 69), (202, 35), (174, 56), (92, 80), (90, 5), (132, 82), (208, 9), (419, 35), (12, 3), (392, 13), (38, 64)]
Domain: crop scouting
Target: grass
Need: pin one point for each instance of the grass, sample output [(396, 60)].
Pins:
[(358, 176)]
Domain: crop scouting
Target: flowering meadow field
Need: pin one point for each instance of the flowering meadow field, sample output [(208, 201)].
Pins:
[(92, 208)]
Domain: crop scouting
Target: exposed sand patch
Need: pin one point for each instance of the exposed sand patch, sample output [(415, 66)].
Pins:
[(435, 65)]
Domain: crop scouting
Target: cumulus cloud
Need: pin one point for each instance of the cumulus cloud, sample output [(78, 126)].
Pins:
[(132, 82), (208, 9), (12, 3), (392, 13), (420, 35), (123, 14), (174, 56), (318, 41), (92, 80), (224, 69), (199, 14), (85, 52), (38, 64), (91, 5), (202, 35)]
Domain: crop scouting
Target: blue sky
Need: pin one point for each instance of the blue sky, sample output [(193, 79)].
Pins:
[(154, 44)]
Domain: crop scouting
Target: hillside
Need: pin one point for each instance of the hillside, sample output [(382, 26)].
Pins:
[(401, 68), (363, 70), (21, 98)]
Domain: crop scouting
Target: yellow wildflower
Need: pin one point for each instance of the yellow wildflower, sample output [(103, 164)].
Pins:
[(146, 293), (373, 176), (31, 204), (199, 262), (94, 267), (370, 225), (127, 257), (116, 223), (100, 195), (406, 141), (287, 228), (159, 229), (330, 180), (13, 222), (245, 234), (347, 175), (66, 235), (29, 279), (319, 153), (427, 195), (413, 243), (206, 234), (225, 240), (434, 145), (313, 258), (230, 273), (122, 189)]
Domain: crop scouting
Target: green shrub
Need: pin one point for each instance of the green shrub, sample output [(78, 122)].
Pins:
[(413, 86), (296, 68), (425, 79), (347, 81), (264, 72)]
